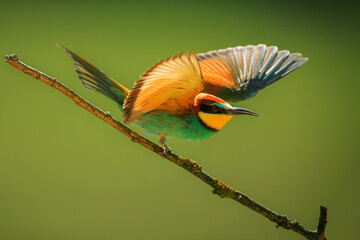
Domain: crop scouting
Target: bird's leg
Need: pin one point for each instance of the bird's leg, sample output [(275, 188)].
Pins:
[(163, 143)]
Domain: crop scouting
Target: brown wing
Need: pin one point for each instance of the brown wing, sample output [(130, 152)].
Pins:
[(170, 85)]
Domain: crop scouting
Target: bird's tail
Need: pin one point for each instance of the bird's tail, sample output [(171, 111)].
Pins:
[(93, 78)]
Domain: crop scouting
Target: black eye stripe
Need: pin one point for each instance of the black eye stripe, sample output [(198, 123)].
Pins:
[(210, 109), (206, 108)]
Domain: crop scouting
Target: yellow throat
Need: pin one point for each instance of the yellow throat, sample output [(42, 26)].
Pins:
[(214, 121)]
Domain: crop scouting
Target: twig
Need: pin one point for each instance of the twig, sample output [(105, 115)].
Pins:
[(191, 166)]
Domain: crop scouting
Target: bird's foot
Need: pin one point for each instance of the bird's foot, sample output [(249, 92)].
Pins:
[(166, 148)]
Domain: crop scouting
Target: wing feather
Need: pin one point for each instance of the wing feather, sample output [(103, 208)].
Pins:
[(239, 73), (169, 85)]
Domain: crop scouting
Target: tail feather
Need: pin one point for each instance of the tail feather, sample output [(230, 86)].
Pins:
[(94, 79)]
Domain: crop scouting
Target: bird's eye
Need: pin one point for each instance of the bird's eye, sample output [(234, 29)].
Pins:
[(215, 108)]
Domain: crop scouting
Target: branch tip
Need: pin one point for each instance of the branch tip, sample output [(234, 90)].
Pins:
[(320, 230), (12, 58)]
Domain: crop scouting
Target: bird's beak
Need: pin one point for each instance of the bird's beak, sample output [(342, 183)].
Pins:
[(240, 111)]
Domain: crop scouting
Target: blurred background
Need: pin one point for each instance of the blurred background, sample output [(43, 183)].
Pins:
[(64, 174)]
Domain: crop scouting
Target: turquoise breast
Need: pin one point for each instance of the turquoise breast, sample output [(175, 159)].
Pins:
[(180, 126)]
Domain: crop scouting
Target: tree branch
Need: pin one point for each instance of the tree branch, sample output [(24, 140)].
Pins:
[(191, 166)]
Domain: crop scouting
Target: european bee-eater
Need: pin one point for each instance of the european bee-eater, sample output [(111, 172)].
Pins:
[(186, 96)]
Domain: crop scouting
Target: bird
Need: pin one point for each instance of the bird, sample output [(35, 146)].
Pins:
[(187, 96)]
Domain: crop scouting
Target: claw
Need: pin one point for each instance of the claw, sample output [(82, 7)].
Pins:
[(167, 151)]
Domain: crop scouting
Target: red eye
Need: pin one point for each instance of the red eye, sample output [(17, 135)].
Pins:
[(215, 108)]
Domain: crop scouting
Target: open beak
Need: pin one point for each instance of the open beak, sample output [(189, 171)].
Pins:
[(241, 111)]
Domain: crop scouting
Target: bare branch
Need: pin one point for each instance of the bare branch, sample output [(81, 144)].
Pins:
[(191, 166)]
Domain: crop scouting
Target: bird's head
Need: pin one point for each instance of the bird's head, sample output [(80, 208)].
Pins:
[(215, 112)]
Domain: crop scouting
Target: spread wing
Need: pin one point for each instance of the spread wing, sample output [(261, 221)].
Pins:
[(170, 85), (239, 73)]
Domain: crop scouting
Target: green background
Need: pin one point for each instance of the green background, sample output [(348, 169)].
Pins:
[(65, 174)]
